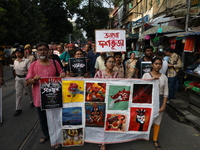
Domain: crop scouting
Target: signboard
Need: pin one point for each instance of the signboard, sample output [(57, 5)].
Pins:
[(51, 93), (145, 67), (98, 110), (78, 66), (1, 105), (110, 40)]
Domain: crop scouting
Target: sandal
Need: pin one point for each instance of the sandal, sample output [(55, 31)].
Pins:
[(43, 139), (58, 146), (102, 147), (157, 146)]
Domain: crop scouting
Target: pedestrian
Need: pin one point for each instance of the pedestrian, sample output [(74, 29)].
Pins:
[(1, 75), (43, 67), (174, 65), (29, 54), (100, 62), (163, 92), (60, 49), (78, 54), (119, 65), (92, 56), (164, 68), (21, 66), (107, 73), (54, 56), (130, 66), (64, 57), (7, 52), (148, 55)]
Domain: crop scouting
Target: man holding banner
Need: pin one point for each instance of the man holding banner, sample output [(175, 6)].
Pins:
[(43, 67)]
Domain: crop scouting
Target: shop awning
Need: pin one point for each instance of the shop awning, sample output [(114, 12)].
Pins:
[(180, 34), (154, 30)]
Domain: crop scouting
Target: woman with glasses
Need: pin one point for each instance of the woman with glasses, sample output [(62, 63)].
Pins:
[(108, 72), (78, 54)]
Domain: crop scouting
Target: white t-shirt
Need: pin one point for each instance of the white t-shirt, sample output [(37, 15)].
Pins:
[(99, 64), (164, 68)]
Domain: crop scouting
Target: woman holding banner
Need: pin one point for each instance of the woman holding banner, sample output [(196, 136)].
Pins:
[(163, 86), (107, 73)]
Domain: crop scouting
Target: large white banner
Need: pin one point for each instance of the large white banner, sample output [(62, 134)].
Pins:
[(110, 40), (104, 111)]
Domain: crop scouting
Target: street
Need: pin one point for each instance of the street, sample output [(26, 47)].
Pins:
[(23, 132)]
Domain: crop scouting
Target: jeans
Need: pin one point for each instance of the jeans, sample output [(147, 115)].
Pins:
[(172, 86), (43, 121)]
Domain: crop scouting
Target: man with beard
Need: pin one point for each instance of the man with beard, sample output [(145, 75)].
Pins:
[(148, 55), (99, 64), (64, 57), (43, 67)]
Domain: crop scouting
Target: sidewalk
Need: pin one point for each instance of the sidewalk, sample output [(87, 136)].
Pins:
[(178, 109)]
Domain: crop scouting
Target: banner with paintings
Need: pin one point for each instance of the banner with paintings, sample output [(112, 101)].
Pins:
[(110, 40), (98, 110), (78, 66), (51, 92)]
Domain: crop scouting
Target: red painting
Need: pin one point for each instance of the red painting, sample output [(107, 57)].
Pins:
[(95, 92), (116, 122), (142, 93), (139, 119)]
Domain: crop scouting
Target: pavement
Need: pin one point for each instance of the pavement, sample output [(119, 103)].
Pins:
[(23, 132)]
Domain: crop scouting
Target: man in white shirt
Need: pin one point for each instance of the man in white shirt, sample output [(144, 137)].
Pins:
[(99, 64)]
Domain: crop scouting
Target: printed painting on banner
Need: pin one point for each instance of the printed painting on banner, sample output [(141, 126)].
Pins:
[(72, 116), (73, 137), (142, 93), (118, 97), (95, 114), (51, 93), (95, 92), (139, 119), (116, 123), (73, 91)]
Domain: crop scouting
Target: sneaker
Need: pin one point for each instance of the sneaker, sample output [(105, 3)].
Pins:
[(32, 105), (18, 112)]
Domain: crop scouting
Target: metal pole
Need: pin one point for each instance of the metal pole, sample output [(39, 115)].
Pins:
[(188, 14)]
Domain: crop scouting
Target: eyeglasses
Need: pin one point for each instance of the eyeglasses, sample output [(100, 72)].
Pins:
[(111, 62), (44, 49)]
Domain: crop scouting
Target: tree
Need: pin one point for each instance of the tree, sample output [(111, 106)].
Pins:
[(96, 18), (57, 25)]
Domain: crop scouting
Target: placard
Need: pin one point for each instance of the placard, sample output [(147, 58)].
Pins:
[(110, 40), (145, 67), (78, 66), (51, 93)]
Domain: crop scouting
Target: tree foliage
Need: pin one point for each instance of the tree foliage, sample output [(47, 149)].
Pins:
[(31, 21)]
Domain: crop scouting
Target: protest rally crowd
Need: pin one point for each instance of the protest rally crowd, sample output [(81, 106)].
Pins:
[(50, 60)]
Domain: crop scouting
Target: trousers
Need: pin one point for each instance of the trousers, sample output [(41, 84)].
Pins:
[(19, 86)]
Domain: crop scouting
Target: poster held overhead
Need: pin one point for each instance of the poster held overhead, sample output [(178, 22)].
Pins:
[(112, 40)]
